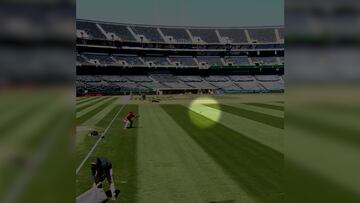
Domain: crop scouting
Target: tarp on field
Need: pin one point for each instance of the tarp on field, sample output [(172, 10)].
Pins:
[(94, 195)]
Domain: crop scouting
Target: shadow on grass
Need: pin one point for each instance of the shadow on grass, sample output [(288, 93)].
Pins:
[(256, 168)]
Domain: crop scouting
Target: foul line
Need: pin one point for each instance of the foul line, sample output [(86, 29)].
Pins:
[(99, 139)]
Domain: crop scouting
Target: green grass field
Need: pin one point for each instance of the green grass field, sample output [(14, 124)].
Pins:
[(35, 128), (178, 152)]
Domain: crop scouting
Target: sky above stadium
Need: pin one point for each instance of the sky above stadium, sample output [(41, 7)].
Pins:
[(185, 12)]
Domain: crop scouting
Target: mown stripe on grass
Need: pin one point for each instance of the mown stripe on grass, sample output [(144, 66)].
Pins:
[(85, 111), (265, 134), (102, 123), (18, 115), (8, 105), (27, 139), (346, 109), (89, 104), (271, 112), (274, 103), (119, 146), (303, 181), (269, 106), (86, 100), (21, 133), (278, 103), (80, 99), (83, 147), (93, 120), (94, 111), (257, 168), (252, 115), (53, 151), (328, 125), (172, 167), (91, 123)]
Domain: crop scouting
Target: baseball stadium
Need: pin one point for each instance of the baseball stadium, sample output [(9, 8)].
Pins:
[(179, 113)]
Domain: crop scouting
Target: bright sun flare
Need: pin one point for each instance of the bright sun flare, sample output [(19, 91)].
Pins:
[(199, 106)]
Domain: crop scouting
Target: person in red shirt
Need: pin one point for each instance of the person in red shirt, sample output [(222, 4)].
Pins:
[(128, 119)]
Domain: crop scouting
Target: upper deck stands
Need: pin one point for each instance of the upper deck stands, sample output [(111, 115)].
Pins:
[(150, 33), (119, 30), (234, 35), (90, 28), (281, 33), (172, 34), (262, 35), (206, 35), (179, 34)]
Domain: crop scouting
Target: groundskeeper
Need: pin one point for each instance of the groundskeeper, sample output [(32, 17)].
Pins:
[(128, 120), (101, 169)]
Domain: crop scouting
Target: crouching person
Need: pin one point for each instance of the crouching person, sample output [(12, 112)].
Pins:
[(101, 168), (129, 119)]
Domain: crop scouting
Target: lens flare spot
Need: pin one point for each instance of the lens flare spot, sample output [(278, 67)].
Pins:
[(198, 109)]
